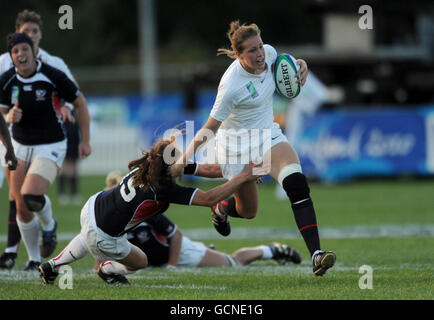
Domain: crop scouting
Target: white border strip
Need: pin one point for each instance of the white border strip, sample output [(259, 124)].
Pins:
[(292, 233)]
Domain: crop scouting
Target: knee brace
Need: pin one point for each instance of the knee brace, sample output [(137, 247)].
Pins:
[(45, 168), (296, 188), (34, 202)]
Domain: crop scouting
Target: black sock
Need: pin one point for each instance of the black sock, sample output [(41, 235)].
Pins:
[(228, 207), (14, 235), (73, 183), (305, 217), (298, 192), (61, 182)]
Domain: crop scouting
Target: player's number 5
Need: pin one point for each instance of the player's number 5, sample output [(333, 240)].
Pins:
[(127, 190)]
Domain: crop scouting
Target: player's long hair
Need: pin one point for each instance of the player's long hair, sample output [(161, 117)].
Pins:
[(153, 171), (237, 34)]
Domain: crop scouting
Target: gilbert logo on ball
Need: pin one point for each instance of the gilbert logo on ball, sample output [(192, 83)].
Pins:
[(285, 68)]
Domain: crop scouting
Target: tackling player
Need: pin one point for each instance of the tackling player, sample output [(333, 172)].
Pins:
[(147, 190), (165, 245)]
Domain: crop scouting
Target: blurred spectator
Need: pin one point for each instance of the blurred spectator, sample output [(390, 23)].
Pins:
[(68, 176)]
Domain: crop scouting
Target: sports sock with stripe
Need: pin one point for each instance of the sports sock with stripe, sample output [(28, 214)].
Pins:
[(305, 218), (14, 235), (298, 192), (75, 250), (115, 267)]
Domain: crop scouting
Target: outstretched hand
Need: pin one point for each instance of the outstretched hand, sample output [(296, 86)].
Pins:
[(252, 171)]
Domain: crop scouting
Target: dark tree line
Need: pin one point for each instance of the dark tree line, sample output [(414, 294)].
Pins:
[(105, 31)]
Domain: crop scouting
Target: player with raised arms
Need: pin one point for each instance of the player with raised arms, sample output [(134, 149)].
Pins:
[(244, 102)]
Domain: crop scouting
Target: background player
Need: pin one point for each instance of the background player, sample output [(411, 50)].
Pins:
[(38, 139), (68, 175), (30, 23)]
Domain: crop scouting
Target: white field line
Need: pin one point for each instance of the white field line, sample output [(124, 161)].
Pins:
[(286, 233), (304, 268)]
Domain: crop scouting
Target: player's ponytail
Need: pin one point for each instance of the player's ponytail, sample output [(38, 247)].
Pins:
[(237, 34), (152, 171)]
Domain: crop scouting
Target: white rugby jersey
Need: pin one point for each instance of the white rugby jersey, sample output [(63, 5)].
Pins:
[(245, 100), (56, 62)]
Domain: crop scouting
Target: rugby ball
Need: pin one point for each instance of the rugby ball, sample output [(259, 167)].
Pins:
[(285, 68)]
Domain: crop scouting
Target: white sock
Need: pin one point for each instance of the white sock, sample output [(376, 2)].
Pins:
[(30, 235), (75, 250), (266, 252), (12, 249), (46, 215), (317, 251), (114, 267)]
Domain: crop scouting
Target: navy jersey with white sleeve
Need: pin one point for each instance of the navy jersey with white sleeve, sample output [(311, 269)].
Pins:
[(39, 97), (123, 207)]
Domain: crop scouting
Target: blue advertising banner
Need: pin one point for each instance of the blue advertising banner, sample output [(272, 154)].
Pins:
[(338, 145)]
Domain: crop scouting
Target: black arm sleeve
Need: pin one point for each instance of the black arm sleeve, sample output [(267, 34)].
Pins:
[(176, 194), (162, 225), (190, 168)]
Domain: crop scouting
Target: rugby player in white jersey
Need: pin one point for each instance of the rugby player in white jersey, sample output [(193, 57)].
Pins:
[(28, 22), (243, 111)]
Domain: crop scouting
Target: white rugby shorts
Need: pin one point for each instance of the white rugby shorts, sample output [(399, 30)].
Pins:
[(54, 151), (233, 157), (101, 245), (192, 253)]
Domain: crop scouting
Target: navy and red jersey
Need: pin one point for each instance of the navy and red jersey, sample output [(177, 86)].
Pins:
[(153, 237), (123, 207), (39, 96)]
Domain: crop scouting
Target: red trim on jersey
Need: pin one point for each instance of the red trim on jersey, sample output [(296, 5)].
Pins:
[(307, 227), (57, 103), (159, 237), (147, 209)]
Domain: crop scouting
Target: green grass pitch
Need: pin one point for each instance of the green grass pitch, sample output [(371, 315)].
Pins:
[(386, 225)]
